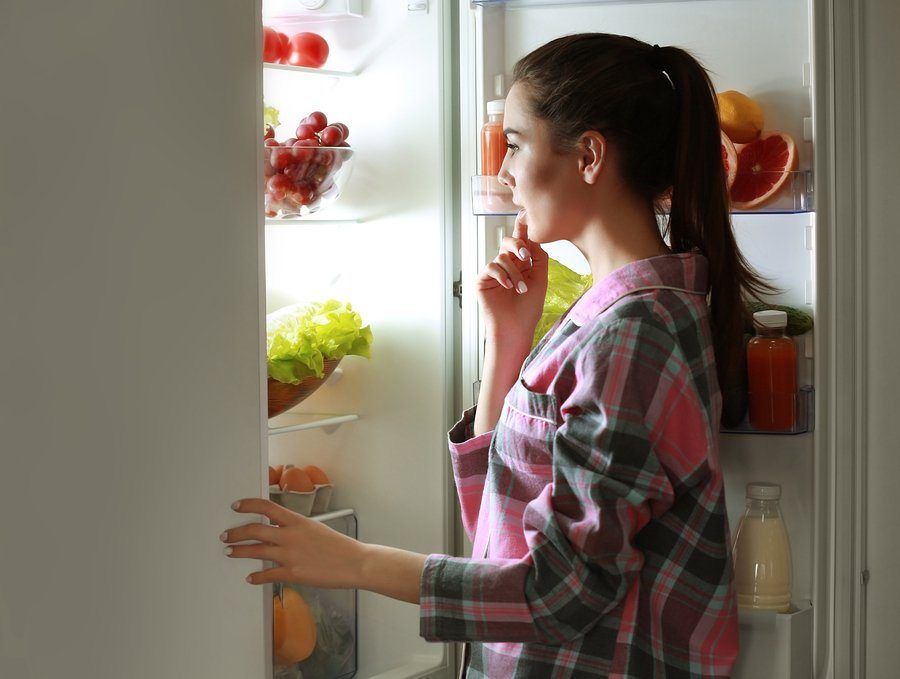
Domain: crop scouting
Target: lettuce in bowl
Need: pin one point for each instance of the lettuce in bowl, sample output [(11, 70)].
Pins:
[(300, 337)]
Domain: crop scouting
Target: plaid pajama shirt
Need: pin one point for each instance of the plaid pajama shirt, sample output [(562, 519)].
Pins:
[(596, 505)]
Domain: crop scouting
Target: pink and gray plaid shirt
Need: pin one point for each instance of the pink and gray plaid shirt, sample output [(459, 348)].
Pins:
[(596, 505)]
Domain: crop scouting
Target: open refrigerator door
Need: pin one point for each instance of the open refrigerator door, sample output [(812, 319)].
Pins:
[(764, 49)]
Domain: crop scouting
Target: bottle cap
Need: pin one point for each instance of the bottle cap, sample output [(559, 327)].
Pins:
[(495, 107), (761, 490), (771, 318)]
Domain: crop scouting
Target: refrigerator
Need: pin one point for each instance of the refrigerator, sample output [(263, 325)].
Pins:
[(138, 268)]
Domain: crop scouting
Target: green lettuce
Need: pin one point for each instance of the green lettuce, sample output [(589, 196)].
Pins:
[(300, 337), (564, 286), (270, 113)]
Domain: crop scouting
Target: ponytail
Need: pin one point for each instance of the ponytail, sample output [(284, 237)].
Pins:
[(700, 212)]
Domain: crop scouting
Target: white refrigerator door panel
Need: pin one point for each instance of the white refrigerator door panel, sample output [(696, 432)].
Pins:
[(130, 303)]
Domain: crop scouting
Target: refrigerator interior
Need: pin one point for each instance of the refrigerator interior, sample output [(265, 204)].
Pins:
[(383, 246), (761, 48)]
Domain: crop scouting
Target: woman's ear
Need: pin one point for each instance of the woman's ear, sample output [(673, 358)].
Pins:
[(592, 156)]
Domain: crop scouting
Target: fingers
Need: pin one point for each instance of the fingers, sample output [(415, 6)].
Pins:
[(253, 531), (520, 228), (261, 552), (280, 574), (516, 247), (274, 512), (504, 270)]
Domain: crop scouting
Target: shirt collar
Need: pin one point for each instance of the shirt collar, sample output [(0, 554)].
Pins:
[(686, 271)]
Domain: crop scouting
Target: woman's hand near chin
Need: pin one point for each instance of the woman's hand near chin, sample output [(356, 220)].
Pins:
[(512, 287)]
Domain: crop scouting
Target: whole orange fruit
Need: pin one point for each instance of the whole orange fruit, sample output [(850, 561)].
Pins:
[(293, 628)]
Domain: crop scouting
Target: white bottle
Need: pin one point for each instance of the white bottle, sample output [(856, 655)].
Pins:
[(762, 553)]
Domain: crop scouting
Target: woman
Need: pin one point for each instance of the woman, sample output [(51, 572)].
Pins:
[(588, 476)]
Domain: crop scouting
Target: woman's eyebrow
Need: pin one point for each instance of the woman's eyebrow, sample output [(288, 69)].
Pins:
[(508, 131)]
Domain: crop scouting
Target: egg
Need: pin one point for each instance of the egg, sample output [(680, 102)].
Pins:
[(297, 480), (316, 475)]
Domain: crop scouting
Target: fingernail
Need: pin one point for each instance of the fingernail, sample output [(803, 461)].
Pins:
[(224, 536), (249, 579), (228, 550), (235, 504), (508, 284), (522, 287), (524, 254)]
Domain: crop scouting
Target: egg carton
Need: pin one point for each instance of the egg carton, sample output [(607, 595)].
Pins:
[(315, 501)]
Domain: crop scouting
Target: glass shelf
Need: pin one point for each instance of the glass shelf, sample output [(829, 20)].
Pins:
[(491, 198), (271, 221), (805, 417), (318, 72), (290, 422)]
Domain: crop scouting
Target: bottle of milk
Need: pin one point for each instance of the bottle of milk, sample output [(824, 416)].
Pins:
[(761, 553)]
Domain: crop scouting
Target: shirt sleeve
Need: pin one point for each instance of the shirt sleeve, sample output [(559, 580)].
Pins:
[(607, 483), (469, 458)]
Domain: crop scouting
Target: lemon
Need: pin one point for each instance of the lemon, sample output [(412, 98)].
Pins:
[(740, 117)]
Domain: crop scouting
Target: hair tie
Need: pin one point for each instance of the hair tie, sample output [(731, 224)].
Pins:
[(657, 62)]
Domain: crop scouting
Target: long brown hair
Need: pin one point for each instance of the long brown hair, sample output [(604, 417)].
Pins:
[(658, 107)]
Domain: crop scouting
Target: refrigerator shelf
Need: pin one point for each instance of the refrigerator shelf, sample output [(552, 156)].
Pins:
[(288, 221), (776, 645), (513, 4), (291, 422), (317, 72), (491, 198), (293, 12), (805, 417)]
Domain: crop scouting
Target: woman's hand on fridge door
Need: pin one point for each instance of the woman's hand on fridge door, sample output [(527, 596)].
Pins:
[(307, 552), (512, 287)]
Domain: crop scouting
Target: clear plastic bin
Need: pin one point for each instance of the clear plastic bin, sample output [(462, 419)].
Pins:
[(335, 614)]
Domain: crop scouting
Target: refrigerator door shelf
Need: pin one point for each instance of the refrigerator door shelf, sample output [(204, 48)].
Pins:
[(776, 645), (290, 422), (805, 417)]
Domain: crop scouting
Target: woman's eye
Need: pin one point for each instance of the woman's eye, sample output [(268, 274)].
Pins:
[(512, 147)]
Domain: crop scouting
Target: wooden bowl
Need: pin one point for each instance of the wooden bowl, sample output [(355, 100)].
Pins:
[(283, 396)]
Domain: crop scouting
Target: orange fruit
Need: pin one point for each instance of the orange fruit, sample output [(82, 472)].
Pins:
[(293, 628), (729, 160), (316, 475), (740, 117), (297, 480), (275, 474), (763, 170)]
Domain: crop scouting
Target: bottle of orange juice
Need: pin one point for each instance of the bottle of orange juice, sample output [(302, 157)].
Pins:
[(772, 373), (493, 141)]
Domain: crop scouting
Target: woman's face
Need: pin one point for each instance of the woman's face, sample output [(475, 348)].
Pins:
[(544, 179)]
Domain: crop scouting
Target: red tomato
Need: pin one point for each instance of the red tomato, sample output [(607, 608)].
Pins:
[(284, 47), (271, 46), (307, 49)]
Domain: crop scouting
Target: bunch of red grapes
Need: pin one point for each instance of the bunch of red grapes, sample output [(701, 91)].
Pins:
[(301, 171)]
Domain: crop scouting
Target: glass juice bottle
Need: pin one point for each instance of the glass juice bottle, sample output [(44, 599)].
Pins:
[(493, 150), (762, 553), (772, 373)]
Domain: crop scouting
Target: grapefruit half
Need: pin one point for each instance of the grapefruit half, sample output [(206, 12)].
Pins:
[(763, 170)]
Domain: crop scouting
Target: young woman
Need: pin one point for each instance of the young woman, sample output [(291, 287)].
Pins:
[(588, 473)]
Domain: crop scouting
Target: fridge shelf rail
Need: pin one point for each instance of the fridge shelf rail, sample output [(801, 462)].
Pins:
[(805, 417), (291, 422), (316, 72), (491, 198)]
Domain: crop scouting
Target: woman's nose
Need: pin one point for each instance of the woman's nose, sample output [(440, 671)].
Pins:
[(504, 177)]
